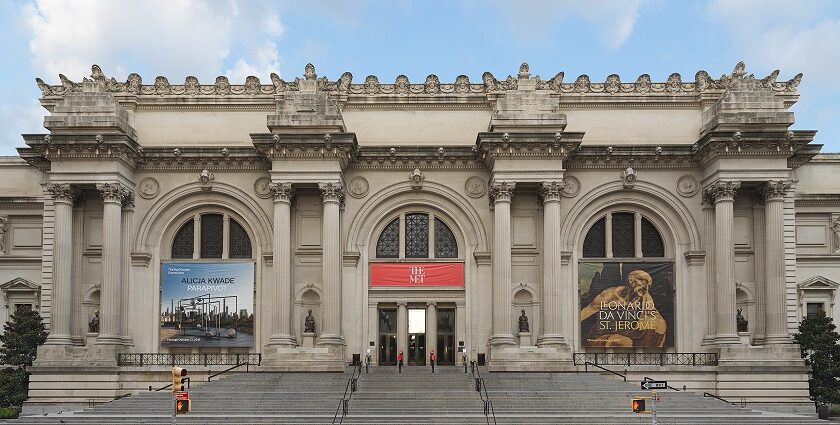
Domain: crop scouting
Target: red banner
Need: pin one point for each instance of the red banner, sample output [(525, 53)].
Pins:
[(417, 274)]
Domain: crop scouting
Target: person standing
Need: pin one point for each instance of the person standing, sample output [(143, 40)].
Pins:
[(400, 361), (432, 359)]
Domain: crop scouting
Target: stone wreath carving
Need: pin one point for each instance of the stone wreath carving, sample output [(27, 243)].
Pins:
[(688, 186), (148, 188), (358, 187), (262, 187), (475, 187), (571, 186)]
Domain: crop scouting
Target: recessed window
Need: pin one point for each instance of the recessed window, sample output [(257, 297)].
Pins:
[(813, 308), (422, 233), (623, 234), (212, 230)]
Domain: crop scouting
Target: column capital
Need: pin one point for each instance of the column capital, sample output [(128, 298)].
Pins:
[(775, 190), (63, 192), (283, 192), (331, 191), (552, 191), (112, 192), (431, 303), (722, 191), (501, 191), (128, 199), (402, 303)]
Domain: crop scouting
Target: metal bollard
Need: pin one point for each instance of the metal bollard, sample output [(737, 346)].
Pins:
[(486, 407)]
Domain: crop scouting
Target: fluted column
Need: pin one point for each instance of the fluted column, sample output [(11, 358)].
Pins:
[(281, 308), (125, 284), (709, 245), (62, 282), (552, 273), (501, 193), (111, 300), (431, 328), (331, 194), (759, 229), (402, 327), (723, 193), (774, 263)]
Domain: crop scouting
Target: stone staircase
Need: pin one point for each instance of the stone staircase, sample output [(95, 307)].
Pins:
[(416, 396)]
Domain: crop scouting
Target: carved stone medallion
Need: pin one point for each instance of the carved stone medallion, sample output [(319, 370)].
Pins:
[(262, 187), (571, 187), (148, 188), (358, 187), (475, 187), (688, 186)]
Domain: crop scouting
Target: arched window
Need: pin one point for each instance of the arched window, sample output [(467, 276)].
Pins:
[(623, 234), (212, 230), (424, 234)]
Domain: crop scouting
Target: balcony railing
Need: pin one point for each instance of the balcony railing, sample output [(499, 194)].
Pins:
[(648, 359), (160, 359)]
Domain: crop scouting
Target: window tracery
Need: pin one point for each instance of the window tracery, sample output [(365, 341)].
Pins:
[(388, 245), (618, 234), (445, 244), (212, 229)]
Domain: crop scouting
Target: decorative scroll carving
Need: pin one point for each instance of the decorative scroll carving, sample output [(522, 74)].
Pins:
[(501, 191), (552, 191), (62, 192), (111, 192), (722, 190), (775, 190), (283, 192), (331, 191)]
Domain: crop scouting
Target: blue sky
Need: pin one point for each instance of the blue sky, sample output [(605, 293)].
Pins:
[(207, 38)]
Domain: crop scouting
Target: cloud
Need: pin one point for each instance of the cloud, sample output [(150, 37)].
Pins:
[(614, 21), (174, 38)]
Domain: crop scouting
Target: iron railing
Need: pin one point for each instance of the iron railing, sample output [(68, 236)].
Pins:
[(647, 359), (160, 359), (489, 410), (343, 408)]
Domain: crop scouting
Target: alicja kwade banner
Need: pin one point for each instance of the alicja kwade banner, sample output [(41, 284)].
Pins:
[(626, 304), (207, 304)]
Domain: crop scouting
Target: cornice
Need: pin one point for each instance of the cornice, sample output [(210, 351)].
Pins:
[(166, 158), (792, 145), (303, 146), (673, 89), (22, 202), (403, 157), (620, 157), (54, 147), (817, 200), (492, 146)]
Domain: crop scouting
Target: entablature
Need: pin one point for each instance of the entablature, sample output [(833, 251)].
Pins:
[(342, 147)]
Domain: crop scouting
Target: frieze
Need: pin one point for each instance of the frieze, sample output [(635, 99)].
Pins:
[(252, 86)]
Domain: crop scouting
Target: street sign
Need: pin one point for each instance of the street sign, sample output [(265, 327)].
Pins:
[(652, 385)]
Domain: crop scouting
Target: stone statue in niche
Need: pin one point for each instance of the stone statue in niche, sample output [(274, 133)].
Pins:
[(741, 321), (835, 228), (93, 325), (309, 323), (4, 227), (523, 323)]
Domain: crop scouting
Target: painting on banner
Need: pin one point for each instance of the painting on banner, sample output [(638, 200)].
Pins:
[(626, 304)]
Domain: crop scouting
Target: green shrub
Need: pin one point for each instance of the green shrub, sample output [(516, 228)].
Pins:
[(22, 335), (835, 410), (8, 412), (818, 342)]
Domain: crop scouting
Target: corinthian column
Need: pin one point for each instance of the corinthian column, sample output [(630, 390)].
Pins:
[(774, 263), (552, 273), (709, 246), (127, 215), (723, 193), (63, 196), (281, 308), (110, 325), (331, 263), (501, 193)]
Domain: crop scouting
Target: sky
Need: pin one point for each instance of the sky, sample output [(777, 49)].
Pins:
[(237, 38)]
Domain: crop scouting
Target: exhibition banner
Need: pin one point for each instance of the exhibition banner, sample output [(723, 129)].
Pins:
[(626, 304), (207, 304), (417, 274)]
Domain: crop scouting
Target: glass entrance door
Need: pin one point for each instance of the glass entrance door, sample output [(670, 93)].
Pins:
[(387, 337), (446, 336), (416, 337)]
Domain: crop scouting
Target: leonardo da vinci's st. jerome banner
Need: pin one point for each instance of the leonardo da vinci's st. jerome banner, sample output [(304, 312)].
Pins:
[(626, 304), (207, 304)]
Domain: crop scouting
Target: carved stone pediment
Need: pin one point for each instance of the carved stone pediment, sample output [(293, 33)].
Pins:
[(23, 287)]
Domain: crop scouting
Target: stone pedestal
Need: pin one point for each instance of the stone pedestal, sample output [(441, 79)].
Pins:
[(531, 359), (308, 340), (320, 358), (525, 339), (745, 338)]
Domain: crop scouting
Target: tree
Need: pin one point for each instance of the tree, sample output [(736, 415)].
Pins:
[(22, 335), (818, 340)]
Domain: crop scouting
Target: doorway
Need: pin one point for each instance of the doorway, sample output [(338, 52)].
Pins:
[(387, 337), (416, 337), (446, 336)]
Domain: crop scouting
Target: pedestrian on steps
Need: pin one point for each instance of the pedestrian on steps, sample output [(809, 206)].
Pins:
[(432, 360), (400, 360)]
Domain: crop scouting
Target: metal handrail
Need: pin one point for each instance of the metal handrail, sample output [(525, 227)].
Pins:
[(489, 410), (343, 404), (587, 364), (742, 403), (169, 385), (247, 369)]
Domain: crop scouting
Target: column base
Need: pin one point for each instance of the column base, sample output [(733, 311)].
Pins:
[(330, 339), (552, 340), (103, 339), (59, 340), (726, 339), (777, 339), (282, 340), (502, 340)]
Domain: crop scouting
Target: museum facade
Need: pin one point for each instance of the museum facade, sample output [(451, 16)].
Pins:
[(529, 223)]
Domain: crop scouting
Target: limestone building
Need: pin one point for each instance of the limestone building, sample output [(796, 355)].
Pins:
[(530, 223)]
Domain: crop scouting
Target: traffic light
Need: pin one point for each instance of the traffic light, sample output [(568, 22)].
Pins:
[(178, 379), (638, 405), (183, 406)]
